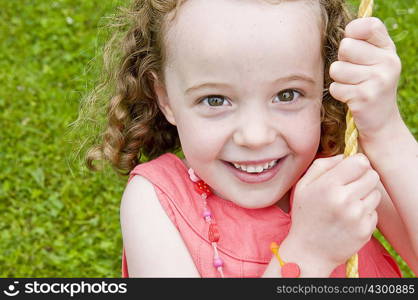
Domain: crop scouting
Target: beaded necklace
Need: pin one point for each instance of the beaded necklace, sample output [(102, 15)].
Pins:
[(213, 233)]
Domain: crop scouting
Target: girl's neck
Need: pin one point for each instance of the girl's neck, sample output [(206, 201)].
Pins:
[(283, 203)]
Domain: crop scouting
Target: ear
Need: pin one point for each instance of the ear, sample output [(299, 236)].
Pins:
[(162, 99)]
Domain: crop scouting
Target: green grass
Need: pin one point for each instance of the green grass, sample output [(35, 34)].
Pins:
[(57, 219)]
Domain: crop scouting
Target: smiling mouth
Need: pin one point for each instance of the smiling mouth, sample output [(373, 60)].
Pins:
[(253, 172), (254, 169)]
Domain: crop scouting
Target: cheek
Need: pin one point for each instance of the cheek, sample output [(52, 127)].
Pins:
[(201, 140), (303, 135)]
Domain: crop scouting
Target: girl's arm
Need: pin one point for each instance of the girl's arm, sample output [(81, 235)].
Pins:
[(393, 229), (153, 246), (393, 153), (366, 78)]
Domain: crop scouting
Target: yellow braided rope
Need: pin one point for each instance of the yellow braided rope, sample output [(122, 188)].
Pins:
[(351, 145)]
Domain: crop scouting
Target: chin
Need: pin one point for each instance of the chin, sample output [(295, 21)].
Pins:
[(255, 203)]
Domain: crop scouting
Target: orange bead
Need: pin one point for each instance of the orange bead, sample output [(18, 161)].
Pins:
[(274, 247)]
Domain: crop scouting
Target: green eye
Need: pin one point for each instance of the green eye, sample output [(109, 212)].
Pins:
[(286, 95), (214, 100)]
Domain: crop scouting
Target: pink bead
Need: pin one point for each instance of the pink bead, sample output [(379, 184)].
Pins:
[(193, 176), (207, 213), (217, 262)]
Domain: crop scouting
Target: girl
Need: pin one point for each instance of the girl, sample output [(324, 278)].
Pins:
[(244, 87)]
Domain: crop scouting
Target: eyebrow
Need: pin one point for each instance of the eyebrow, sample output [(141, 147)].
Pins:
[(293, 77)]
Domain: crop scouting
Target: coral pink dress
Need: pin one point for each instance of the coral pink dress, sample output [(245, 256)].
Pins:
[(246, 234)]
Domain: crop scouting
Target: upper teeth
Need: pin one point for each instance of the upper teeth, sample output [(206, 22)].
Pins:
[(256, 168)]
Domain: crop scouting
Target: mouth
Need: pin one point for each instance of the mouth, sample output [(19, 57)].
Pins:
[(255, 173), (255, 168)]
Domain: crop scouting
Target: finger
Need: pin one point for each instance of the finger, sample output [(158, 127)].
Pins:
[(342, 92), (355, 94), (374, 218), (348, 73), (349, 169), (368, 225), (371, 201), (319, 167), (359, 52), (371, 30), (364, 185)]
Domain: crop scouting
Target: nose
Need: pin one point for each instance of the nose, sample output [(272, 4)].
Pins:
[(254, 129)]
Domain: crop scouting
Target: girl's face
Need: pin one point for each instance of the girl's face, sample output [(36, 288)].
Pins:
[(243, 85)]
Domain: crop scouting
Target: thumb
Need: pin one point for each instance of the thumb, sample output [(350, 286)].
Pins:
[(319, 167)]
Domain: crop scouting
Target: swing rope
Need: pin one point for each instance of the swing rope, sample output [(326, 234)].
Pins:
[(351, 144)]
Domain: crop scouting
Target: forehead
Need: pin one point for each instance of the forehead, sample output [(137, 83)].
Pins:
[(244, 35)]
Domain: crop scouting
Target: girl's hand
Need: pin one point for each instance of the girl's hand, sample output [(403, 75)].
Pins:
[(334, 208), (366, 76)]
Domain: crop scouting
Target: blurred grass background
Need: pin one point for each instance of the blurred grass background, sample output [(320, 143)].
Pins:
[(57, 218)]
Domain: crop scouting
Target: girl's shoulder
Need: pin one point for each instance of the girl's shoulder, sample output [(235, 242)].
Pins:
[(167, 165), (169, 176), (148, 183), (165, 178), (148, 218)]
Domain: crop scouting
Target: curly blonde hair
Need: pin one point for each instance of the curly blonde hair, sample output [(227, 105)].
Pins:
[(134, 126)]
